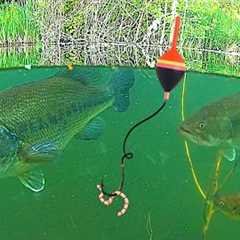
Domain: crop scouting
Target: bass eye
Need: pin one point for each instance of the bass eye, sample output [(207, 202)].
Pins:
[(202, 125)]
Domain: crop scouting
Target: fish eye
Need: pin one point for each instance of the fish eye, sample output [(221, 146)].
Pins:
[(202, 125)]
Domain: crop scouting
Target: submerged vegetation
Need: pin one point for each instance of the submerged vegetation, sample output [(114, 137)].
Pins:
[(209, 28)]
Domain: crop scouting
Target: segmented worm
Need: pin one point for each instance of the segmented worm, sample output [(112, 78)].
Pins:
[(109, 201), (106, 202)]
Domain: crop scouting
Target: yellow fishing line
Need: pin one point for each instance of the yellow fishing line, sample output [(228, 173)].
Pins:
[(195, 178)]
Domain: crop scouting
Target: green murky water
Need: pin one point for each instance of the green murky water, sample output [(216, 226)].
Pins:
[(164, 203)]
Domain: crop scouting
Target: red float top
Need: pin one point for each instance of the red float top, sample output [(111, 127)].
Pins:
[(172, 59)]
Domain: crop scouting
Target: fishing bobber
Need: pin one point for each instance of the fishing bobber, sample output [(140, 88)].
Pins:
[(171, 66)]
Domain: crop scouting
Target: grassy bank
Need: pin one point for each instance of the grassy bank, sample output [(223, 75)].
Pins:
[(16, 57), (17, 24), (206, 25), (212, 24)]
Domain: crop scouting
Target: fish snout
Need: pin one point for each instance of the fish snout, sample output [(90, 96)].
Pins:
[(183, 129)]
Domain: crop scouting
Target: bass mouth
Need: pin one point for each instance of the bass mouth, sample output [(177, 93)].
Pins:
[(184, 130)]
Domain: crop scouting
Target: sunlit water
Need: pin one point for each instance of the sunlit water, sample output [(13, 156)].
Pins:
[(164, 203)]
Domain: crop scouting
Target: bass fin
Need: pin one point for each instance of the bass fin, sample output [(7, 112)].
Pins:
[(230, 153), (40, 152), (93, 130), (122, 80), (33, 180)]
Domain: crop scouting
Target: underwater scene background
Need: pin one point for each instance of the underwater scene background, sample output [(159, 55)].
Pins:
[(163, 178), (164, 202)]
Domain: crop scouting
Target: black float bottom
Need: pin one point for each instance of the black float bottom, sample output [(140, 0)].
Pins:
[(169, 77)]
